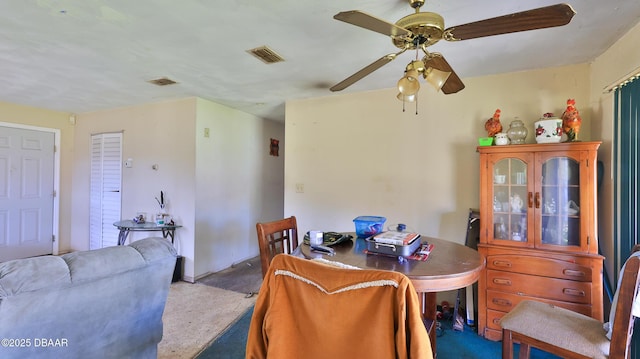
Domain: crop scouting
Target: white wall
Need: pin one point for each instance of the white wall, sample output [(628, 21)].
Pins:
[(237, 184), (359, 154)]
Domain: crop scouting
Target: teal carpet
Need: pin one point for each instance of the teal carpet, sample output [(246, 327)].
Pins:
[(231, 343), (452, 344)]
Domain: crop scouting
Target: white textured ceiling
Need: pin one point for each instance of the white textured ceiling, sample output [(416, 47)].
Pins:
[(81, 56)]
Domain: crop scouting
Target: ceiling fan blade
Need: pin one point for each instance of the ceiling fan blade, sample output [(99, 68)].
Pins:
[(453, 83), (544, 17), (369, 22), (364, 72)]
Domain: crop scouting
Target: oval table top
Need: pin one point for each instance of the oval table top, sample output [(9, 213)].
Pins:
[(144, 226), (449, 266)]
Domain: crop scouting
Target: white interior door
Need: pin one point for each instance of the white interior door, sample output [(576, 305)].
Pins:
[(27, 165), (106, 182)]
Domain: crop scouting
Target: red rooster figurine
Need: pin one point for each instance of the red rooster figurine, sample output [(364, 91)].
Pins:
[(493, 124), (571, 121)]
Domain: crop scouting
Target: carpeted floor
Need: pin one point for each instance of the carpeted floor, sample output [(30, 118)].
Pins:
[(196, 314)]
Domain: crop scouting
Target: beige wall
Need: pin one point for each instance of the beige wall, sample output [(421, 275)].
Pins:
[(216, 187), (359, 154), (614, 64), (237, 184), (23, 115), (158, 133)]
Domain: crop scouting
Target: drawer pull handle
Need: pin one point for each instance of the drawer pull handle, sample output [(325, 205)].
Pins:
[(502, 302), (574, 292), (574, 273), (496, 320), (502, 281), (505, 264)]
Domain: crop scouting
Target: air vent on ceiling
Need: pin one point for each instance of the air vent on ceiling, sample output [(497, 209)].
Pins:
[(162, 81), (266, 55)]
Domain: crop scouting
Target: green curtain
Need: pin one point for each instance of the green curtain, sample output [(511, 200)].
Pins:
[(626, 178)]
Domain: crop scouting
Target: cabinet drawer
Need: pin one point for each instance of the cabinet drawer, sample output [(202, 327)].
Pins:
[(504, 302), (541, 287), (492, 334), (539, 266), (493, 319)]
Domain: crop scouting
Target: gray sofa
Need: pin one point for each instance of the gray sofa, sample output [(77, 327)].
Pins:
[(105, 303)]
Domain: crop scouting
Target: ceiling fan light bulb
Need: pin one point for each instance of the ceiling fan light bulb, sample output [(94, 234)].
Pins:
[(437, 78)]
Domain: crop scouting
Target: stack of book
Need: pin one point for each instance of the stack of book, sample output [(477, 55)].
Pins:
[(397, 238)]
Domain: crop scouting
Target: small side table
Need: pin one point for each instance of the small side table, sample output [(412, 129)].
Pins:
[(126, 226)]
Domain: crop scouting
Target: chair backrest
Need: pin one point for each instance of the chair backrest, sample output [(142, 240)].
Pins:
[(311, 309), (276, 237), (624, 319)]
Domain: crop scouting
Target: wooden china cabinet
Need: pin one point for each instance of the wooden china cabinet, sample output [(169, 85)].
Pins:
[(538, 230)]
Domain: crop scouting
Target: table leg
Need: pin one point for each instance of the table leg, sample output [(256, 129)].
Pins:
[(428, 304), (122, 237), (168, 233)]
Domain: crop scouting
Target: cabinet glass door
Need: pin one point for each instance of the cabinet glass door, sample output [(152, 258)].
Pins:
[(510, 200), (560, 202)]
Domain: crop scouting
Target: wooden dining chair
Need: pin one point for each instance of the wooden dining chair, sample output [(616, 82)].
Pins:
[(276, 237), (569, 334)]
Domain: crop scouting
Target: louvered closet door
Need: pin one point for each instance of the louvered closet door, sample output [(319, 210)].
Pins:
[(106, 184)]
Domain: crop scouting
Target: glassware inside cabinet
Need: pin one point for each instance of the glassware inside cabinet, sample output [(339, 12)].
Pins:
[(509, 201), (561, 202)]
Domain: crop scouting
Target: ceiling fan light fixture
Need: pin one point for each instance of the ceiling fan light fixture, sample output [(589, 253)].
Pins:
[(406, 98), (408, 85), (436, 78)]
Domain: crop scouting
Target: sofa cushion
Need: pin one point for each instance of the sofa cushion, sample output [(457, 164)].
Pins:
[(107, 261), (25, 275)]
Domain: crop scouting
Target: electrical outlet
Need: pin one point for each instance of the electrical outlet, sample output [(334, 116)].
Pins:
[(299, 187)]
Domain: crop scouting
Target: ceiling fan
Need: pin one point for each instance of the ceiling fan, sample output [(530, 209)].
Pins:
[(423, 29)]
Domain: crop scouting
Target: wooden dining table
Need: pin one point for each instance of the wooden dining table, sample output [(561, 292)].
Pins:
[(450, 266)]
